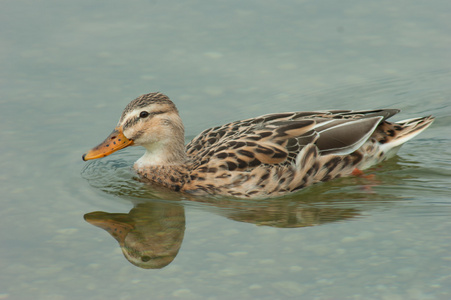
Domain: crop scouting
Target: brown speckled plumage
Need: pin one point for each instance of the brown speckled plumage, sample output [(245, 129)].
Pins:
[(266, 156)]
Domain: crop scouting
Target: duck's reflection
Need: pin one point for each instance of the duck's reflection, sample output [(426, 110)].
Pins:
[(150, 235), (290, 216)]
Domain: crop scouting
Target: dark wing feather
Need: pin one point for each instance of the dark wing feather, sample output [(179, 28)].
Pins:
[(345, 136), (384, 113)]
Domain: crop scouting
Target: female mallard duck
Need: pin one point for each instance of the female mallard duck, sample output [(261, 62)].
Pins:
[(260, 157)]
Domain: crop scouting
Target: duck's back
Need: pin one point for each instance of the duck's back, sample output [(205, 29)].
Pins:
[(278, 153)]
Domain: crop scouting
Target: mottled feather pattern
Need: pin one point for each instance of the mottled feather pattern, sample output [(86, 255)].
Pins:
[(173, 177), (279, 153)]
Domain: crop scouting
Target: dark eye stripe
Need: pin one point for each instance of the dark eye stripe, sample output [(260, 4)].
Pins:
[(135, 120), (159, 112), (130, 122)]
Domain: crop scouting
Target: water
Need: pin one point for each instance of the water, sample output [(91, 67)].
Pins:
[(68, 70)]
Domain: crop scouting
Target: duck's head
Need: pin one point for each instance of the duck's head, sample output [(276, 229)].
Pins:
[(151, 121)]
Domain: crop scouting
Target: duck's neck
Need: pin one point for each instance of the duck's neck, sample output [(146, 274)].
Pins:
[(164, 166), (162, 154)]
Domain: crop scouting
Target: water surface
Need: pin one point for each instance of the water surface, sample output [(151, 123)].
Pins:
[(68, 70)]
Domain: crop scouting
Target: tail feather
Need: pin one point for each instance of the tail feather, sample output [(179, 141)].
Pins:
[(408, 129)]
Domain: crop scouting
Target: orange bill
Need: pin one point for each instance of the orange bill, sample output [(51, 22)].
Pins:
[(114, 142)]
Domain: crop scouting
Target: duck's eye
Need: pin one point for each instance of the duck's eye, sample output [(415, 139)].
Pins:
[(143, 114), (145, 258)]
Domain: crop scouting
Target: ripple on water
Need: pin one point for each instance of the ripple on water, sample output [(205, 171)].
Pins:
[(113, 175)]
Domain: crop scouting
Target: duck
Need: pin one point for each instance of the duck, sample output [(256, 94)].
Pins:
[(261, 157)]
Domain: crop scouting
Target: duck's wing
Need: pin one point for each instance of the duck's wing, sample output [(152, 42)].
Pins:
[(279, 138)]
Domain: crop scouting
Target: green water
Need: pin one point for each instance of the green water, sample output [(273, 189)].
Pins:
[(69, 68)]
